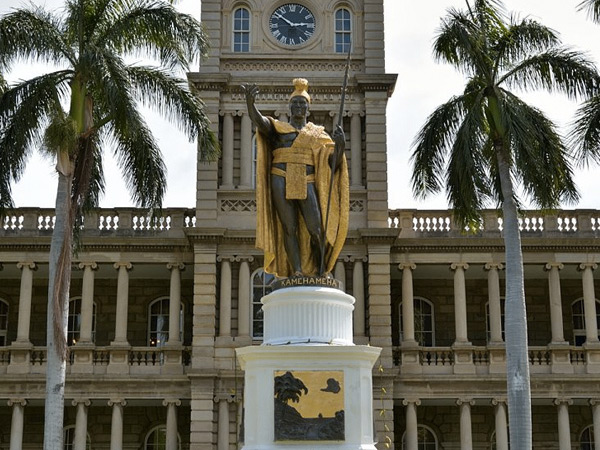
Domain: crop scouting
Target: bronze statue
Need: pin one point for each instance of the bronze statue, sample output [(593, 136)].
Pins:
[(296, 192)]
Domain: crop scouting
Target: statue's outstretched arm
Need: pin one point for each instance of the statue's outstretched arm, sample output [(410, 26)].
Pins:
[(263, 124)]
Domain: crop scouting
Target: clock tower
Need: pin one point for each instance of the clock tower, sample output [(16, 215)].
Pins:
[(269, 43)]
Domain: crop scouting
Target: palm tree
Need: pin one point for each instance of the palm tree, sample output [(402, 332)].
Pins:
[(76, 111), (486, 140), (585, 134)]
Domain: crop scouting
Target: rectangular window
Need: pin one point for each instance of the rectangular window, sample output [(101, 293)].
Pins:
[(241, 30)]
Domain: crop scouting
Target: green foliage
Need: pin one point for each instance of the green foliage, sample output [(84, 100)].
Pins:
[(592, 7), (457, 148)]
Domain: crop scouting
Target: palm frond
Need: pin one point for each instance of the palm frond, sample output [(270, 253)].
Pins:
[(153, 28), (432, 144), (541, 162), (557, 70), (33, 34), (585, 132), (172, 99), (24, 111), (592, 7)]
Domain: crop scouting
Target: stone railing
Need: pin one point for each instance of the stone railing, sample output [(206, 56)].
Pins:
[(33, 360), (31, 221), (420, 223), (542, 359)]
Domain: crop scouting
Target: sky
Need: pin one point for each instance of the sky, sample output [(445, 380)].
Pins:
[(423, 84)]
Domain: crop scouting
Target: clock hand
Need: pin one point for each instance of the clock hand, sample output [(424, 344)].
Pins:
[(285, 19)]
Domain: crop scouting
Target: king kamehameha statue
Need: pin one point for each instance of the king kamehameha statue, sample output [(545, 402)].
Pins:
[(301, 189)]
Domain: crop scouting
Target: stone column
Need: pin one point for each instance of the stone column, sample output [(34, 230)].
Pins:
[(408, 305), (244, 299), (227, 158), (116, 428), (495, 306), (358, 290), (589, 302), (556, 314), (596, 422), (501, 424), (25, 293), (412, 441), (223, 421), (460, 303), (225, 298), (17, 421), (81, 419), (122, 303), (172, 404), (339, 273), (466, 437), (355, 150), (87, 302), (564, 429), (246, 152), (175, 303)]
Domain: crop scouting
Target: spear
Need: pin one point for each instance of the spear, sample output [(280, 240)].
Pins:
[(334, 165)]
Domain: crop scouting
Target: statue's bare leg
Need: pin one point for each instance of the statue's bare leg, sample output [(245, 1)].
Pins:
[(311, 212), (288, 216)]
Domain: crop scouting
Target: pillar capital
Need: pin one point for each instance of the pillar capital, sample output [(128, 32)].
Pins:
[(228, 258), (126, 265), (562, 401), (245, 258), (356, 258), (117, 402), (465, 401), (175, 265), (356, 113), (584, 266), (459, 265), (29, 264), (407, 265), (594, 401), (17, 401), (499, 401), (411, 400), (171, 401), (224, 397), (552, 265), (83, 401), (493, 266), (85, 264), (223, 112)]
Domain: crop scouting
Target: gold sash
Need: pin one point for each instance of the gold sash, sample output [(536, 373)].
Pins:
[(296, 159)]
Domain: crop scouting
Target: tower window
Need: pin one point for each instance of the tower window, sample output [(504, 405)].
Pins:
[(343, 30), (241, 30)]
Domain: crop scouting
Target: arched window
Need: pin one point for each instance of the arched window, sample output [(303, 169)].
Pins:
[(158, 322), (578, 314), (424, 322), (156, 439), (69, 439), (261, 285), (586, 439), (343, 30), (3, 322), (487, 319), (426, 439), (74, 321), (241, 30)]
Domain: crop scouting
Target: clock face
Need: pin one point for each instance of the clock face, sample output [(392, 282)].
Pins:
[(292, 24)]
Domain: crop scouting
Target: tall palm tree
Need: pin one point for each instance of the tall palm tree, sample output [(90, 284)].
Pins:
[(585, 134), (486, 140), (88, 104)]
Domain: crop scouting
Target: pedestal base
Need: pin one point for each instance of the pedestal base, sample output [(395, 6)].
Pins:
[(349, 368)]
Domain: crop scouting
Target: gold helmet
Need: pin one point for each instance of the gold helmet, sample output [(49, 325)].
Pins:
[(300, 89)]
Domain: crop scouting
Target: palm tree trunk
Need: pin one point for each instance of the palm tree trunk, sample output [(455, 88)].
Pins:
[(517, 361), (57, 317)]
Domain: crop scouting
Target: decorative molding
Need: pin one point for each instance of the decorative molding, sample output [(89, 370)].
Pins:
[(357, 206), (287, 66), (239, 205)]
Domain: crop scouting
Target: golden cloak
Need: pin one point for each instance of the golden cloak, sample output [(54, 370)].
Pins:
[(269, 231)]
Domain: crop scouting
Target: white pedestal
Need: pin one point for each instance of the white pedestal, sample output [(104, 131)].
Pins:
[(308, 315), (260, 365), (308, 331)]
